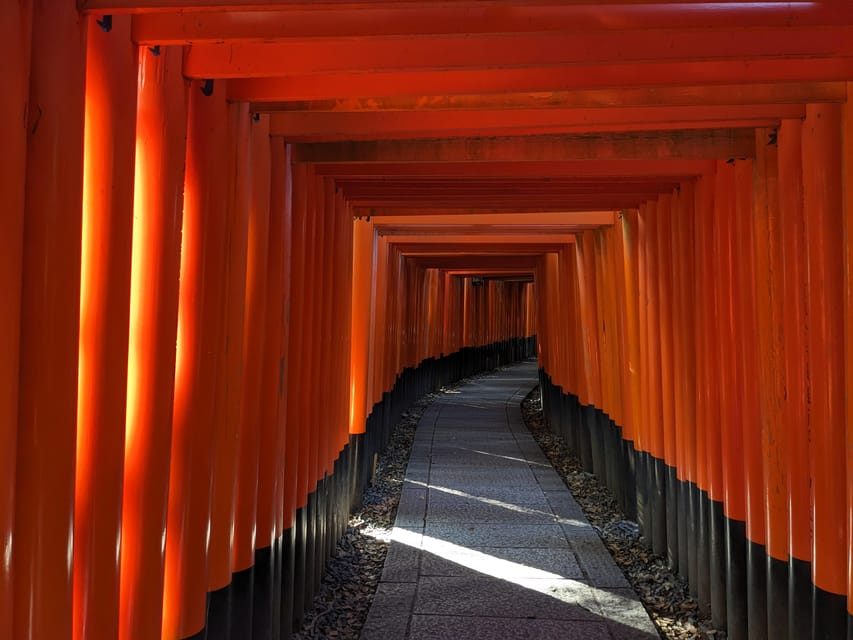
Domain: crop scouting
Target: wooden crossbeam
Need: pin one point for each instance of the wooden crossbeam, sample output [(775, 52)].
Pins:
[(187, 27), (535, 78), (694, 144), (491, 51), (707, 95)]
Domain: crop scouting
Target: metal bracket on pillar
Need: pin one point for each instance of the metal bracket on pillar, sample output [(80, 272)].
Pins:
[(155, 50), (106, 23), (773, 137), (207, 87)]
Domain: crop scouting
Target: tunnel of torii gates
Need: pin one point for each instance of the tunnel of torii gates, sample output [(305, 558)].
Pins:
[(239, 237)]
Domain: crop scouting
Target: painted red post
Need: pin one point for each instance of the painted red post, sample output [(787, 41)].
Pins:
[(155, 268), (823, 210), (15, 34), (229, 373), (49, 331), (108, 167), (797, 509), (199, 325), (243, 547)]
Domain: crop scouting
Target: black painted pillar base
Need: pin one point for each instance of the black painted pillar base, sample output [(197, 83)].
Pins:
[(242, 603), (829, 619), (658, 492), (703, 556), (693, 538), (683, 497), (672, 518), (737, 623), (219, 614), (262, 590), (718, 564), (799, 599), (299, 570), (288, 550), (756, 590), (777, 598)]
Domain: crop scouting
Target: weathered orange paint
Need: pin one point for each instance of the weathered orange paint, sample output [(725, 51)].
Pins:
[(823, 210), (794, 291), (770, 343)]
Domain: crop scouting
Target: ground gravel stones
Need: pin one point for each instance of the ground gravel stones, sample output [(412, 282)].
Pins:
[(341, 606), (664, 594)]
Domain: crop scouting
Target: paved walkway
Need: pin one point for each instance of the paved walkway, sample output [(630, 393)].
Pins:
[(488, 542)]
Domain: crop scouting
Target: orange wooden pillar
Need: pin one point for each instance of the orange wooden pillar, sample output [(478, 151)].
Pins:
[(266, 616), (756, 532), (847, 179), (378, 320), (770, 305), (287, 419), (716, 297), (44, 481), (157, 209), (745, 519), (110, 138), (297, 408), (15, 34), (199, 325), (362, 275), (682, 243), (230, 358), (254, 324), (702, 287), (728, 492), (823, 202), (342, 315), (667, 379), (795, 415)]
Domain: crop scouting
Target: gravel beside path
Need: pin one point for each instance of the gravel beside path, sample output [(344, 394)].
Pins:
[(664, 593)]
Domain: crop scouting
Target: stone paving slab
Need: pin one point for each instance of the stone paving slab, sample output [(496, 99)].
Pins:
[(517, 563), (488, 541), (479, 628)]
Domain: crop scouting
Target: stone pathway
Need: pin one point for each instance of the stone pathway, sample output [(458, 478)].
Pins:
[(488, 542)]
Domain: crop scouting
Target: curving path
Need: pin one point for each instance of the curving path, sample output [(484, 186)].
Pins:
[(488, 542)]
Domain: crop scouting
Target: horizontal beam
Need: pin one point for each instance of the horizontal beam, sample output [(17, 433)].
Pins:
[(475, 241), (404, 233), (538, 78), (502, 262), (432, 212), (185, 27), (577, 203), (709, 95), (190, 6), (551, 129), (507, 220), (693, 144), (492, 51), (308, 127), (677, 169)]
